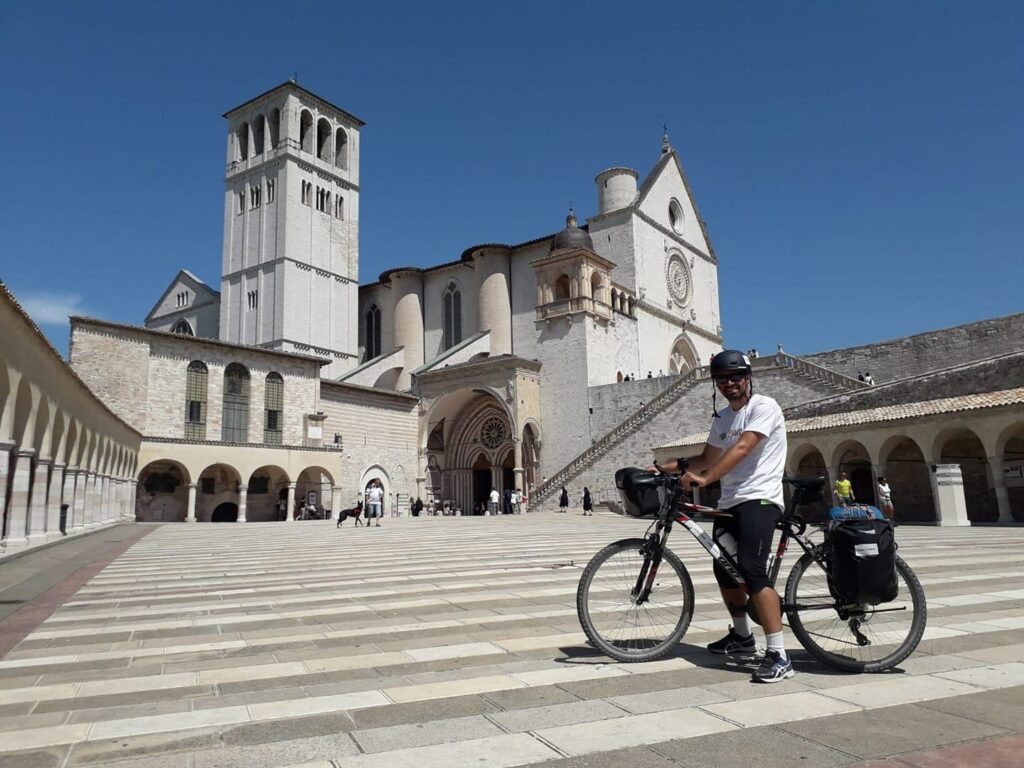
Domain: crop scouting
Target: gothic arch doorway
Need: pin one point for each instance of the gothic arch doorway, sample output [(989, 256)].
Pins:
[(681, 359), (225, 513)]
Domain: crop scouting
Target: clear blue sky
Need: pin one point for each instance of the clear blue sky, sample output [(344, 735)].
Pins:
[(860, 165)]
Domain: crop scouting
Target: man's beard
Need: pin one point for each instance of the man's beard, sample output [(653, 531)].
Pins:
[(741, 392)]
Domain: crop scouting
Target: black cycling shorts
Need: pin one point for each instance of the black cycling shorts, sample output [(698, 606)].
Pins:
[(753, 525)]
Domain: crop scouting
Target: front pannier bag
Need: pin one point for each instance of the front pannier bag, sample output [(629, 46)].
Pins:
[(862, 561)]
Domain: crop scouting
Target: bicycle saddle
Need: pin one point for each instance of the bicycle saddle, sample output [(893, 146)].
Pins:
[(805, 483)]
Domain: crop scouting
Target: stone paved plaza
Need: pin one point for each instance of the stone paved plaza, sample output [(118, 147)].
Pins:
[(454, 642)]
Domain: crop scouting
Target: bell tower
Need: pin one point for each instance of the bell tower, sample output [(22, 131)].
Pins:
[(290, 268)]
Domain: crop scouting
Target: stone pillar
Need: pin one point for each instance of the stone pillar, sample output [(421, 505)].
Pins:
[(291, 501), (17, 508), (37, 505), (68, 495), (132, 490), (948, 488), (53, 501), (517, 470), (91, 502), (243, 498), (80, 494), (190, 516), (6, 446), (337, 504), (995, 464)]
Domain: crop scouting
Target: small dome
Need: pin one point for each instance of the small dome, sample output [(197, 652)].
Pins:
[(572, 236)]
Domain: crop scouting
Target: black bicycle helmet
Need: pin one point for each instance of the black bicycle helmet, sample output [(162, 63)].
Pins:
[(727, 361), (638, 491)]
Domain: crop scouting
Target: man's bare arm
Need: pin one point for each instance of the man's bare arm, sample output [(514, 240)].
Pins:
[(726, 462), (708, 456)]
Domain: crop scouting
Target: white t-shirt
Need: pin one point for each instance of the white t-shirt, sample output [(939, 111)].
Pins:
[(884, 494), (759, 475), (374, 495), (495, 497)]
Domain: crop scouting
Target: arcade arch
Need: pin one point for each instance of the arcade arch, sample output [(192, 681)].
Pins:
[(853, 458), (902, 463), (217, 498), (959, 445), (267, 494), (162, 493)]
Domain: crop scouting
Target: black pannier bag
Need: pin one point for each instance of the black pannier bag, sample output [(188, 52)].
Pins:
[(862, 561), (638, 491)]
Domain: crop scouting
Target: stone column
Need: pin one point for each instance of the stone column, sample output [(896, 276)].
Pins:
[(243, 497), (17, 508), (517, 470), (68, 495), (80, 493), (107, 489), (53, 501), (995, 464), (190, 516), (291, 501), (948, 488), (37, 505), (89, 513), (336, 501), (6, 446), (132, 490)]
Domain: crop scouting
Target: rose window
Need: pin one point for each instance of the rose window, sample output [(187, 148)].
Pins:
[(678, 277), (493, 433)]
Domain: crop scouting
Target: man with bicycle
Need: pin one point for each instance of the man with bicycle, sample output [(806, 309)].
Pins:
[(746, 451)]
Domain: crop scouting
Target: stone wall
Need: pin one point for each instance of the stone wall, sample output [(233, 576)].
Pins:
[(613, 402), (998, 373), (930, 351), (116, 368), (378, 429)]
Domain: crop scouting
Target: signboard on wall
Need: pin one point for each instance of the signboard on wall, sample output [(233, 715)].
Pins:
[(1013, 474)]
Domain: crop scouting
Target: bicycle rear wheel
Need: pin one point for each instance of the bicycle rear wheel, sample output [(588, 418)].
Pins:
[(611, 617), (871, 639)]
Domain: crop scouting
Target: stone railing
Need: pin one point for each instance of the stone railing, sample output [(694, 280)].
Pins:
[(817, 372), (630, 424), (561, 307)]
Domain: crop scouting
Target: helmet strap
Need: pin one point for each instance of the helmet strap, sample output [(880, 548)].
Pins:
[(714, 399)]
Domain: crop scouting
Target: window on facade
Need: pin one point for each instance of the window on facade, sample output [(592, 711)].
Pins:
[(339, 207), (183, 327), (243, 141), (253, 299), (562, 290), (270, 190), (306, 131), (241, 201), (273, 409), (255, 193), (195, 401), (452, 316), (235, 428), (258, 129), (372, 332), (307, 193), (341, 149), (274, 126), (323, 200), (323, 140), (181, 299)]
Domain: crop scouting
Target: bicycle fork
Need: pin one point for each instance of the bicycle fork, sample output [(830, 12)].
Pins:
[(652, 550)]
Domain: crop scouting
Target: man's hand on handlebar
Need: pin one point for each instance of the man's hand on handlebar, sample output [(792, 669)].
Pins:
[(689, 479)]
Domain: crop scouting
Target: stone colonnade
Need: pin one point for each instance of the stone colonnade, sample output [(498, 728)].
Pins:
[(61, 448)]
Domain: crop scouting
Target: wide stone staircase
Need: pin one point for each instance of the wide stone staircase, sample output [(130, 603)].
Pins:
[(682, 408)]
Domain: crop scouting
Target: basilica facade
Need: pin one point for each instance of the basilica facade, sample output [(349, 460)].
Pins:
[(498, 349)]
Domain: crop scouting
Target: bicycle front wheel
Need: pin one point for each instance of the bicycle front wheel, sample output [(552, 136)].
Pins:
[(873, 638), (615, 621)]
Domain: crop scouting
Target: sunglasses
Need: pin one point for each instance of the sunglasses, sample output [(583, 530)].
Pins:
[(735, 378)]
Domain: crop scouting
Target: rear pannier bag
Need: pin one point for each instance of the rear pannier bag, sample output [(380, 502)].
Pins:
[(862, 561)]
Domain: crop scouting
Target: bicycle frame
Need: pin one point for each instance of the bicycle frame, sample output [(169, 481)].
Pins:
[(675, 511)]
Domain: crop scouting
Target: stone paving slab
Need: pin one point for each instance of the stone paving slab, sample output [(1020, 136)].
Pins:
[(205, 646)]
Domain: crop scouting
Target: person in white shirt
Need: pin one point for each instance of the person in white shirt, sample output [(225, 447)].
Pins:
[(885, 498), (492, 501), (746, 450), (374, 503)]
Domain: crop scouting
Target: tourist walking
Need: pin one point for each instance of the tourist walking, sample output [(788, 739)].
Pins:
[(843, 490), (563, 500), (506, 502), (588, 504), (493, 501), (885, 498), (374, 503)]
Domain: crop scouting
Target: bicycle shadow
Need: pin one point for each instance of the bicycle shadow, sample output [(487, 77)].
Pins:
[(700, 657)]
